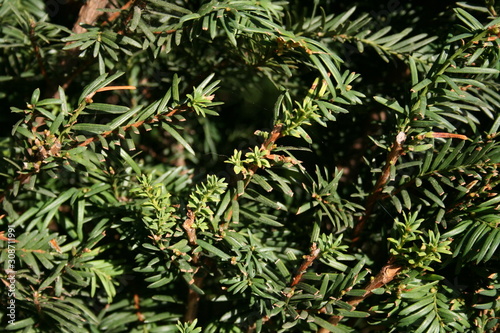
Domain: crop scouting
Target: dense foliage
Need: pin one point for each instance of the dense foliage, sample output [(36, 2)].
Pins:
[(249, 166)]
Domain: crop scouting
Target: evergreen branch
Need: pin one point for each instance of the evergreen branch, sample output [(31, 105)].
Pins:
[(198, 210), (112, 17), (135, 125), (385, 276), (193, 297), (389, 48), (76, 201), (393, 156), (89, 14), (341, 28), (308, 261), (291, 125), (267, 147), (24, 177), (486, 188), (397, 149)]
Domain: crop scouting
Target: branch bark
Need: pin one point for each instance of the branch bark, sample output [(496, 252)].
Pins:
[(25, 177), (396, 151), (89, 14), (193, 298), (70, 65), (193, 301), (308, 261), (387, 274), (268, 144)]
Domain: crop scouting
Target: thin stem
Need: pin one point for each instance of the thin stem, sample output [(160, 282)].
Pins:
[(193, 301), (134, 125), (89, 14), (24, 177), (386, 275), (193, 297), (396, 151), (268, 144), (308, 261)]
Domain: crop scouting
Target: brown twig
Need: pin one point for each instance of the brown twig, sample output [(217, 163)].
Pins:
[(137, 124), (188, 226), (137, 306), (193, 297), (268, 144), (24, 177), (276, 133), (396, 151), (89, 14), (387, 274), (116, 15), (193, 301), (308, 261)]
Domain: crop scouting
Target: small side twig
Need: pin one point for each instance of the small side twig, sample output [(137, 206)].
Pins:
[(89, 14), (193, 297), (268, 144), (396, 151), (25, 177), (387, 274), (308, 261), (134, 125), (190, 231)]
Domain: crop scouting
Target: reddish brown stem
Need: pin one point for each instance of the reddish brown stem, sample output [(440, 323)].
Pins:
[(137, 306), (268, 144), (396, 151), (386, 275), (193, 301), (193, 297), (89, 14), (24, 177), (116, 15), (308, 261), (188, 226), (134, 125)]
